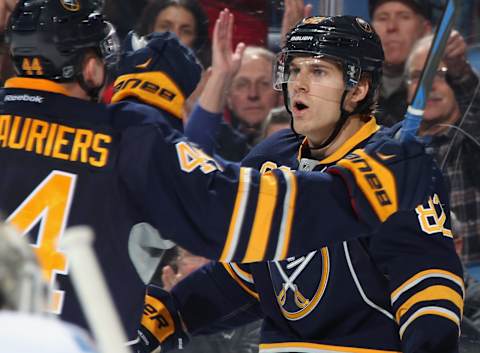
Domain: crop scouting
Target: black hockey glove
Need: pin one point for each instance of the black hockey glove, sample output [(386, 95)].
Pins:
[(386, 176), (157, 70), (161, 327)]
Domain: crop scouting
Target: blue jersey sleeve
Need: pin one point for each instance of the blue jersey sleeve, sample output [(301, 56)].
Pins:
[(425, 276), (214, 299), (202, 128), (231, 213)]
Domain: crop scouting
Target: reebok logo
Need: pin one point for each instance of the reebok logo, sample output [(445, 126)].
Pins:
[(23, 98)]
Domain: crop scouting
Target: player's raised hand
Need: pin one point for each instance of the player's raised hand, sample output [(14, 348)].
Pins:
[(225, 64), (294, 11), (225, 61)]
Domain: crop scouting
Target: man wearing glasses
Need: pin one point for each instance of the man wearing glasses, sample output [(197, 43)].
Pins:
[(452, 121)]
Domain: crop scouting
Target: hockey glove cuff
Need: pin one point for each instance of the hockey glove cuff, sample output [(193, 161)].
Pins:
[(161, 327), (385, 177), (157, 70)]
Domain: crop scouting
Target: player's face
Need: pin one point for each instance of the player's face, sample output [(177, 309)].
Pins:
[(251, 96), (315, 87), (441, 104), (179, 20), (399, 27)]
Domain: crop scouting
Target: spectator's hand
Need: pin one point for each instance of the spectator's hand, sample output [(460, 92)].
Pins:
[(294, 11), (455, 56), (161, 327), (385, 177), (6, 8), (225, 64), (224, 60)]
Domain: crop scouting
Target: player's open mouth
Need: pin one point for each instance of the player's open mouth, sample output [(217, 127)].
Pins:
[(298, 105)]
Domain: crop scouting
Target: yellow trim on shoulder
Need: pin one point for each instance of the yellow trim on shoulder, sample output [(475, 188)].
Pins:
[(154, 88), (367, 130), (306, 347), (438, 292), (239, 281), (420, 276), (267, 200), (236, 220), (38, 84)]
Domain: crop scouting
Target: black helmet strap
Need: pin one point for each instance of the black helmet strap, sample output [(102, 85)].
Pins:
[(344, 115)]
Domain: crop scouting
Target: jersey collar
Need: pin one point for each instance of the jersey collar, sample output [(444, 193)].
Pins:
[(367, 130), (38, 84)]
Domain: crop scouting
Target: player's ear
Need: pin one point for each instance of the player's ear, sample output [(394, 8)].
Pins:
[(93, 70), (357, 94)]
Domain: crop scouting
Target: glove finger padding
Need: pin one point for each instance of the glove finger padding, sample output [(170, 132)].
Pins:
[(385, 177), (161, 325), (157, 70)]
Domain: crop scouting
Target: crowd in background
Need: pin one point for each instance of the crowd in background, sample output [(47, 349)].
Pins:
[(250, 109)]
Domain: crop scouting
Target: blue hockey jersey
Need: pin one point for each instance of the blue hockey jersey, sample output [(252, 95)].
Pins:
[(122, 169), (400, 290)]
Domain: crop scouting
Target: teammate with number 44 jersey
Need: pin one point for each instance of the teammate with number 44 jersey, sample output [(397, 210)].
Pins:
[(123, 170), (400, 290)]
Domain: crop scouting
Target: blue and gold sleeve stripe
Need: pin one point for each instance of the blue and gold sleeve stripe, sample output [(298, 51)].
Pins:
[(425, 275), (251, 234), (430, 292), (238, 214), (238, 276), (430, 310)]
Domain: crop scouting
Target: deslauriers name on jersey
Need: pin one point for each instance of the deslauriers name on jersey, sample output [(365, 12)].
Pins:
[(54, 140)]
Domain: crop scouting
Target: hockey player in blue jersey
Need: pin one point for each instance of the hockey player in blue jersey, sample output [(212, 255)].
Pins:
[(400, 290), (126, 172)]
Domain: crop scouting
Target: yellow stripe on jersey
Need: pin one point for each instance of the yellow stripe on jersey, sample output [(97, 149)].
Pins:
[(288, 214), (304, 347), (38, 84), (244, 275), (236, 220), (431, 310), (239, 281), (430, 293), (423, 275), (267, 200)]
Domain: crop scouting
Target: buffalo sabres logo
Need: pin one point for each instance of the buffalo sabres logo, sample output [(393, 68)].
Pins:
[(300, 283), (364, 25), (313, 20), (71, 5)]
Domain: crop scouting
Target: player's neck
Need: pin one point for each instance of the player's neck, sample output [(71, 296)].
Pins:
[(351, 126)]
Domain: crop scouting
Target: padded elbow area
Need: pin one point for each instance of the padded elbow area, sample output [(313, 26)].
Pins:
[(431, 333)]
